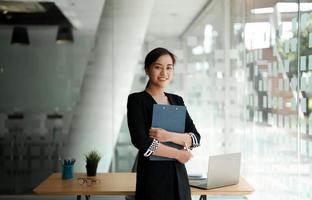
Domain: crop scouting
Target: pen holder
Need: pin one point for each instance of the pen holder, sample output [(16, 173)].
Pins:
[(67, 172)]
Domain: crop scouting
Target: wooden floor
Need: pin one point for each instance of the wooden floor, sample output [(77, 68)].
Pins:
[(36, 197)]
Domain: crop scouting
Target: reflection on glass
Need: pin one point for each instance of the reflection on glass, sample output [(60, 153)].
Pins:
[(270, 106)]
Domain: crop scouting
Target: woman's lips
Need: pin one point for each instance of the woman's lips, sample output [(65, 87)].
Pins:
[(162, 78)]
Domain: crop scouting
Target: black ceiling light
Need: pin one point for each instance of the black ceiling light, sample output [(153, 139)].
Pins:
[(22, 14), (20, 36), (64, 34)]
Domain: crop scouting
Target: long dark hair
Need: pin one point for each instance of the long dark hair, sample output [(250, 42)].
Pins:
[(153, 55)]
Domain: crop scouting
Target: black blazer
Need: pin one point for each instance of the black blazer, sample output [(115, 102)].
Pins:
[(156, 180)]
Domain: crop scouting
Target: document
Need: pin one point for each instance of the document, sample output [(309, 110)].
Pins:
[(171, 118)]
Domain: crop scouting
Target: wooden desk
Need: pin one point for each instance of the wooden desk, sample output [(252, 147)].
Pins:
[(120, 184)]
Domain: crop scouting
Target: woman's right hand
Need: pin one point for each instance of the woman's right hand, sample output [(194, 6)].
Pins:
[(183, 156)]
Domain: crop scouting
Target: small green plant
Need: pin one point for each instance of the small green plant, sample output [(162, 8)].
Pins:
[(92, 158)]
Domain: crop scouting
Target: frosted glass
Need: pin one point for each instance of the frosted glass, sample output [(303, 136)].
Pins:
[(255, 54), (260, 85), (280, 84), (256, 100), (303, 63), (274, 69), (274, 50), (270, 69), (275, 119), (304, 21), (294, 122), (256, 70), (265, 84), (280, 66), (286, 46), (293, 104), (280, 121), (269, 85), (280, 103), (310, 40), (304, 82), (294, 24), (247, 72), (293, 83), (286, 122), (286, 84), (293, 44), (270, 119), (303, 126), (310, 125), (303, 104), (250, 86), (274, 102), (260, 54), (265, 102), (269, 102), (310, 62), (286, 65)]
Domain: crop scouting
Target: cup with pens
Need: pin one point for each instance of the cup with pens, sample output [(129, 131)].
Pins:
[(68, 168)]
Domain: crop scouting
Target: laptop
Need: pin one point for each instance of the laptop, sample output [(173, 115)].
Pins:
[(223, 170)]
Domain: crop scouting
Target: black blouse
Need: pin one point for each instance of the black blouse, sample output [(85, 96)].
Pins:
[(156, 180)]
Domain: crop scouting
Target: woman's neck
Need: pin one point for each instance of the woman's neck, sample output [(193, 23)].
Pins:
[(157, 92)]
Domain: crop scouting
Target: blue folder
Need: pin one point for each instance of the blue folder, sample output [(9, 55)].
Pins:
[(170, 118)]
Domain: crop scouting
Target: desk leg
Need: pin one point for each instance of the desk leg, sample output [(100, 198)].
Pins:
[(203, 197), (88, 197)]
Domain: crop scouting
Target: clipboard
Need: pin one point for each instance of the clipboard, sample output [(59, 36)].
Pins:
[(170, 118)]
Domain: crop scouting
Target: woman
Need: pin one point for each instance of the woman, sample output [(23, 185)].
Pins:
[(159, 180)]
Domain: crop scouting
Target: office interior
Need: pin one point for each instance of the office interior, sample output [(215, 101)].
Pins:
[(244, 69)]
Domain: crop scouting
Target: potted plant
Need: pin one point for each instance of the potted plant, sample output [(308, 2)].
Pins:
[(92, 160)]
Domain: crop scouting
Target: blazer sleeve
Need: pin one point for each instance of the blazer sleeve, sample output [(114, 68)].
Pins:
[(190, 128), (136, 124)]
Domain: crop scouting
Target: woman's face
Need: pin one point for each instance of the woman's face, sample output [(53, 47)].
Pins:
[(160, 72)]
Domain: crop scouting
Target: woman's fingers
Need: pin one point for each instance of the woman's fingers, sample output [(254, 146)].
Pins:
[(159, 134)]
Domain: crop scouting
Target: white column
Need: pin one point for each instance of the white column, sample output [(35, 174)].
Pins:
[(107, 81)]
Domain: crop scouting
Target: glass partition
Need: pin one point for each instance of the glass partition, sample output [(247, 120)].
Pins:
[(245, 77), (248, 83)]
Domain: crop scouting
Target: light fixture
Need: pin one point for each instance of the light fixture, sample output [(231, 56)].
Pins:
[(20, 36), (198, 50), (283, 7), (258, 11), (64, 34)]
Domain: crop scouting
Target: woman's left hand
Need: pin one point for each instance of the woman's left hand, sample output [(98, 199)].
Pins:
[(160, 134)]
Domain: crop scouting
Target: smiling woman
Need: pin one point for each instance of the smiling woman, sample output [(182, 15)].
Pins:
[(159, 66), (159, 179)]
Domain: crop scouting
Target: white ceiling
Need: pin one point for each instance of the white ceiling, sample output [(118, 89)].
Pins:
[(83, 14), (171, 18), (168, 18)]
